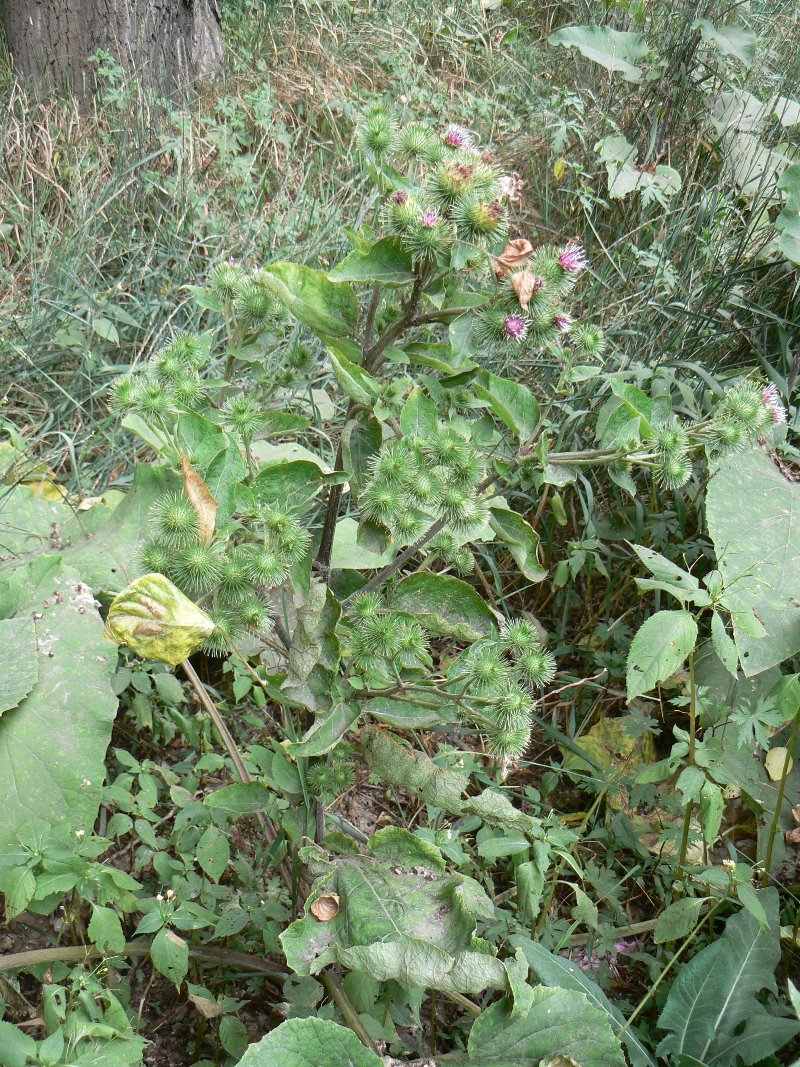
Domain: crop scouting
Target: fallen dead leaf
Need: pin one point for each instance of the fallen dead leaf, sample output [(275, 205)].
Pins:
[(325, 907)]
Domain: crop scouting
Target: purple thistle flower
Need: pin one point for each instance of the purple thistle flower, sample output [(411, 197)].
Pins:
[(771, 400), (399, 197), (573, 258), (458, 137), (563, 322), (429, 219), (516, 328), (231, 262)]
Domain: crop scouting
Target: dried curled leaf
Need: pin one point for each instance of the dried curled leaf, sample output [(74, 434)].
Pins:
[(155, 619), (524, 284), (325, 907), (202, 501), (515, 254)]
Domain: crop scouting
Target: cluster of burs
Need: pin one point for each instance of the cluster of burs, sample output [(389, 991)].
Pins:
[(747, 410), (454, 194), (231, 573)]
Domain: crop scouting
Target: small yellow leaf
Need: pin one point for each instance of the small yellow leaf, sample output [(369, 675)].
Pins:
[(775, 762), (155, 619), (202, 501), (559, 169)]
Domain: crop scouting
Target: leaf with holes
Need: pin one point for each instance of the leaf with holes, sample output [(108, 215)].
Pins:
[(660, 646)]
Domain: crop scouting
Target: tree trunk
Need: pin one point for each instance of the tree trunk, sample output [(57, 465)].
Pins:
[(166, 44)]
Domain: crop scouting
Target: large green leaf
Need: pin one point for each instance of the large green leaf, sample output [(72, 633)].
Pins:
[(349, 555), (616, 50), (511, 402), (357, 383), (309, 1043), (385, 263), (397, 917), (19, 665), (522, 541), (558, 1023), (553, 970), (717, 991), (328, 308), (314, 649), (753, 514), (106, 559), (729, 40), (660, 646), (328, 729), (445, 606), (439, 786), (53, 744)]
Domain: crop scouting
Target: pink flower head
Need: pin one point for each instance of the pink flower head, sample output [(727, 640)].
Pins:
[(429, 219), (573, 258), (231, 262), (538, 283), (563, 322), (771, 400), (516, 328), (399, 197), (458, 137)]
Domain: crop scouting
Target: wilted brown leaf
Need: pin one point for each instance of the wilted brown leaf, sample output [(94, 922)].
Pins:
[(325, 907), (525, 283), (209, 1009), (201, 500), (513, 255)]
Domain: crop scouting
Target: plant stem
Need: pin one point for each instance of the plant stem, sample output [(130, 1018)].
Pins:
[(77, 953), (349, 1013), (269, 830), (776, 817), (687, 817), (667, 969)]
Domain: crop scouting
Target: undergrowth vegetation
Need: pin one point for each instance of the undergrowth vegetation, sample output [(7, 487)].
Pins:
[(400, 596)]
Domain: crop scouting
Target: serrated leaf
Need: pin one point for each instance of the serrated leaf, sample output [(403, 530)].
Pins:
[(301, 1042), (724, 645), (660, 646), (154, 618)]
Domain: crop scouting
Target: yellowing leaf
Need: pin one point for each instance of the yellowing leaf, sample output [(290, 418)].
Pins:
[(202, 501), (155, 619), (776, 762), (559, 169)]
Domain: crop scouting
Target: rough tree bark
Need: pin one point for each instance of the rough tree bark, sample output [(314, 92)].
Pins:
[(167, 44)]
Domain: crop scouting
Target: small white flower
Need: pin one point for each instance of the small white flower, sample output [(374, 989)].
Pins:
[(80, 833)]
